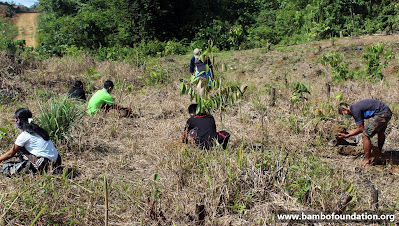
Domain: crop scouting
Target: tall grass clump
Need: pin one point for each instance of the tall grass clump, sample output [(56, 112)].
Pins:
[(59, 115)]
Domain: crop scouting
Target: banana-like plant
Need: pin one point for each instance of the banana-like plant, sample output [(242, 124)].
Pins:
[(210, 98)]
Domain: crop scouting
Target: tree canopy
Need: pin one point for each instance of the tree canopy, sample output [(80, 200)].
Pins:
[(231, 24)]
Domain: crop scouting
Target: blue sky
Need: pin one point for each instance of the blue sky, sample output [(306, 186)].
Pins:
[(27, 3)]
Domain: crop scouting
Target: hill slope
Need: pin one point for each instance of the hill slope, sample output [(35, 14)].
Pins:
[(294, 169)]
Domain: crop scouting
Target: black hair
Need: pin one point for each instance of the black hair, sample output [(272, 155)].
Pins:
[(78, 84), (23, 114), (108, 84), (192, 108), (342, 104)]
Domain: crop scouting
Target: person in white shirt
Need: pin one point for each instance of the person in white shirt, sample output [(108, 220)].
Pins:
[(33, 147)]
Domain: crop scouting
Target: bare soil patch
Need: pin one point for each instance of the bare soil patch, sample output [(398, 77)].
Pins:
[(26, 23)]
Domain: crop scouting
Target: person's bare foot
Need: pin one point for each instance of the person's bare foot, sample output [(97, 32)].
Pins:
[(366, 162)]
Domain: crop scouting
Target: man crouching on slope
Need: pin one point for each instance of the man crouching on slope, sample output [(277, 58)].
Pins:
[(378, 115), (102, 100)]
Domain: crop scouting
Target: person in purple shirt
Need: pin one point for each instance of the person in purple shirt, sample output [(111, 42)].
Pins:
[(378, 115)]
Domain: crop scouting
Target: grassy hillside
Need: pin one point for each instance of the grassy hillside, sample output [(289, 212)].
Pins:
[(154, 179)]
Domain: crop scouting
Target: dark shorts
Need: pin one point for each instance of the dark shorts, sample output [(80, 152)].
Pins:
[(377, 124)]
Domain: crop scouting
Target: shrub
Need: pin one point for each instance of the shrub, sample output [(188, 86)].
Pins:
[(299, 90), (8, 31), (59, 115), (339, 69), (175, 48), (155, 77), (374, 55)]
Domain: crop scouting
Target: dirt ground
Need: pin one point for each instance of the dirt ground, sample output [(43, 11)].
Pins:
[(26, 23)]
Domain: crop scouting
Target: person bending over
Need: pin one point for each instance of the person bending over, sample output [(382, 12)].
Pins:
[(33, 147), (103, 101), (378, 115), (202, 129), (77, 91)]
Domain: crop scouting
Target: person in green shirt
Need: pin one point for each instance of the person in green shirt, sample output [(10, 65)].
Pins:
[(103, 101)]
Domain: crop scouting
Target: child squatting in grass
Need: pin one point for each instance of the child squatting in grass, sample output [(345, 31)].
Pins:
[(33, 147)]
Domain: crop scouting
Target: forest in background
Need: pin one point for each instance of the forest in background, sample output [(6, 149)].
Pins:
[(238, 24), (116, 30)]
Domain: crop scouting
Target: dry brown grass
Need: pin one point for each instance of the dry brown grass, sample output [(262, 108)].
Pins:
[(240, 186)]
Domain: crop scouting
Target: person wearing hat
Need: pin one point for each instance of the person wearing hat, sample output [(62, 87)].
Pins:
[(201, 65), (77, 91)]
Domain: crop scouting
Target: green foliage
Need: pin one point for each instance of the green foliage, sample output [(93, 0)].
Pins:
[(338, 67), (155, 77), (299, 91), (7, 30), (91, 72), (8, 33), (156, 193), (305, 173), (59, 115), (3, 133), (339, 97), (175, 48), (116, 26), (210, 98), (374, 56)]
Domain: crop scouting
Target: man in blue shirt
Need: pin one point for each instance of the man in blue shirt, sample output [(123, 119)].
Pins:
[(378, 115)]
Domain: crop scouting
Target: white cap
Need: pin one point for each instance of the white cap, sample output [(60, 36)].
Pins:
[(196, 52)]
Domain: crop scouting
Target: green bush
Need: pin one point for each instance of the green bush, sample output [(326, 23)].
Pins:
[(338, 67), (8, 31), (155, 77), (58, 116), (375, 54), (115, 53), (299, 90), (175, 48)]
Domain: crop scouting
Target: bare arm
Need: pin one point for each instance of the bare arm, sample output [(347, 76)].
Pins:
[(9, 154), (359, 129), (107, 107), (118, 107)]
